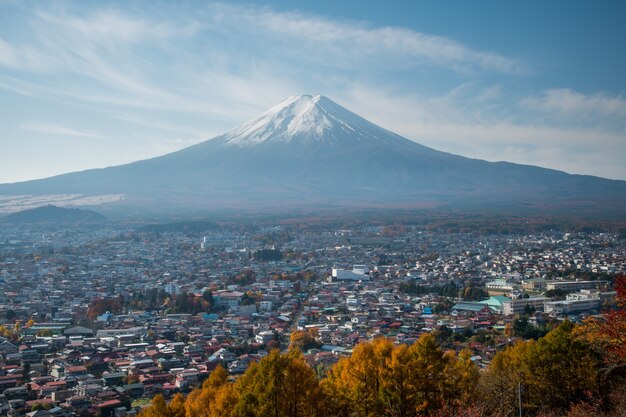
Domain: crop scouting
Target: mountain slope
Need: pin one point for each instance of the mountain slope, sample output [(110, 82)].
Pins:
[(309, 151)]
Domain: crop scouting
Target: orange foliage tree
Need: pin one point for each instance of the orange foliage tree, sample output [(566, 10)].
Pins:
[(557, 374), (100, 306), (381, 379), (611, 332)]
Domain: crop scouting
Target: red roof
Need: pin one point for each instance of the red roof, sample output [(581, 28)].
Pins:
[(78, 368), (108, 403)]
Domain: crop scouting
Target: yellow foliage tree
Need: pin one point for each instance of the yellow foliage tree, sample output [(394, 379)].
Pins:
[(278, 386), (381, 379), (224, 402), (176, 407), (157, 408), (551, 374), (198, 401), (398, 395), (218, 377), (464, 375), (357, 378), (302, 340)]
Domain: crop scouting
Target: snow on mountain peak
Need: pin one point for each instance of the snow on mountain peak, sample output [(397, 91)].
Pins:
[(305, 118)]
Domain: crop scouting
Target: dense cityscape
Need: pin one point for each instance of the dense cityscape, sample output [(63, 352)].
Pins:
[(312, 209), (98, 320)]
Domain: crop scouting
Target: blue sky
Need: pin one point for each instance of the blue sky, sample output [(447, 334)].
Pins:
[(94, 84)]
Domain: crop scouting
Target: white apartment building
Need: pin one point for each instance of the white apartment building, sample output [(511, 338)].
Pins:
[(517, 306), (572, 306)]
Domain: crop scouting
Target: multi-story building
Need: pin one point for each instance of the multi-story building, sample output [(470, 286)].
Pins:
[(517, 306), (574, 285)]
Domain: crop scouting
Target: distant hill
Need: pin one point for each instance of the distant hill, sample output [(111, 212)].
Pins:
[(54, 214)]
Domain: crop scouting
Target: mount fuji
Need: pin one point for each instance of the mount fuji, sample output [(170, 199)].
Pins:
[(309, 152)]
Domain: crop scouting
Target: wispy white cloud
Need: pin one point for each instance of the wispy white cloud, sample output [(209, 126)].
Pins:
[(474, 122), (171, 76), (18, 56), (54, 129), (574, 103), (110, 26), (345, 41), (237, 52)]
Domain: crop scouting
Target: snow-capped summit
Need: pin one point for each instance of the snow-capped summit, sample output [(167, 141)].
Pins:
[(308, 151), (303, 119)]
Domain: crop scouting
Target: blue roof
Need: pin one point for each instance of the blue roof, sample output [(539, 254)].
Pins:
[(496, 300), (469, 306)]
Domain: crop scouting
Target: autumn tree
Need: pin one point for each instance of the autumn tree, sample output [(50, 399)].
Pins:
[(176, 407), (191, 304), (336, 392), (355, 381), (218, 377), (201, 402), (100, 306), (559, 356), (431, 365), (398, 393), (552, 373), (280, 385), (556, 374), (381, 379), (499, 384), (303, 340), (157, 408), (474, 293), (608, 335), (224, 402), (463, 377)]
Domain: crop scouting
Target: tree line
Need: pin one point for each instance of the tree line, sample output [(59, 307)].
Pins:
[(575, 370), (450, 289)]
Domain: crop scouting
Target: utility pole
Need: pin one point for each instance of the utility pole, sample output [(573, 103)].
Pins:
[(519, 396)]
